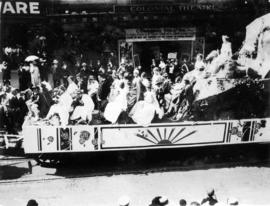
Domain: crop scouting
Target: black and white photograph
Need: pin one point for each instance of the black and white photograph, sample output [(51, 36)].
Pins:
[(134, 102)]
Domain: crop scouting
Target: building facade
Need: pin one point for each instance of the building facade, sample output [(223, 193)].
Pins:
[(133, 31)]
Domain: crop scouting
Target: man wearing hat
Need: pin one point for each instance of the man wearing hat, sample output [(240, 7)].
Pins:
[(32, 202), (56, 72), (65, 73), (43, 67), (5, 73), (182, 202), (13, 112), (92, 87), (232, 201), (8, 65), (84, 74), (103, 90), (211, 198), (160, 201)]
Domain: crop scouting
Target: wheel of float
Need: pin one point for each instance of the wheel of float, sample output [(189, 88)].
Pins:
[(47, 161), (132, 157)]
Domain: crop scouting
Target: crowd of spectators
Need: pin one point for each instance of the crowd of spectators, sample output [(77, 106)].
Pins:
[(209, 200), (57, 92)]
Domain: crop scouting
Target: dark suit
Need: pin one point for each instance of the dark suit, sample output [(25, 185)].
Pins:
[(13, 113), (103, 92), (24, 79)]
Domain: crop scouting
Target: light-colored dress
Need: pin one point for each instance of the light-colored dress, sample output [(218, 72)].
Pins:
[(62, 108), (72, 87), (225, 53), (226, 50), (114, 90), (35, 75), (144, 111), (85, 111), (114, 108), (92, 87)]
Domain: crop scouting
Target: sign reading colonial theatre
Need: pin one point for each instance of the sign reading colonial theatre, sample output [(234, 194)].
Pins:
[(20, 7)]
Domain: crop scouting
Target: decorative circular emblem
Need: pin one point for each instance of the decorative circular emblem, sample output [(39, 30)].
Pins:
[(50, 138), (81, 141), (258, 125), (239, 134), (234, 131), (84, 136)]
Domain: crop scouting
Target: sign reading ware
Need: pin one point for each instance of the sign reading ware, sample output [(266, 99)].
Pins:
[(20, 7)]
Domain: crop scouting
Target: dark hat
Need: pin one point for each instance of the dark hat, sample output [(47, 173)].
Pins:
[(160, 201), (210, 192), (32, 203), (182, 202)]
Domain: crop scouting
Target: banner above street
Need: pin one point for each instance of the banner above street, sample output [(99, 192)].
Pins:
[(160, 34), (165, 8)]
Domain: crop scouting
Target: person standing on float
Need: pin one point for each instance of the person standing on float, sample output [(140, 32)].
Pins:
[(226, 48), (35, 74), (224, 56)]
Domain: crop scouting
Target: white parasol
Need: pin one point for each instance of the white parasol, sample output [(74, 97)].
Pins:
[(31, 58)]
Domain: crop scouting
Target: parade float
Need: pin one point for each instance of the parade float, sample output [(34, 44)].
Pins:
[(226, 109)]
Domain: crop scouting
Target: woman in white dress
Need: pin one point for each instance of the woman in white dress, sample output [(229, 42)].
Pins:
[(83, 113), (144, 111), (115, 86), (35, 75), (225, 54), (118, 105), (226, 48), (62, 108)]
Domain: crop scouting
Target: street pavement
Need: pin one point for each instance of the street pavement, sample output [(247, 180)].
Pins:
[(91, 183), (249, 184)]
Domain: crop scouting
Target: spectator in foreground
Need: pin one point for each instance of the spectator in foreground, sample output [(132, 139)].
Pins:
[(211, 198), (160, 201), (123, 201), (182, 202), (232, 201), (32, 203), (194, 204)]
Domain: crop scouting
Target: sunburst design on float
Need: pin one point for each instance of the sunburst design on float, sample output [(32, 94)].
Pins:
[(167, 136)]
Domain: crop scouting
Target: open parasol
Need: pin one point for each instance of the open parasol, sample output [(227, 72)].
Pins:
[(31, 58)]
